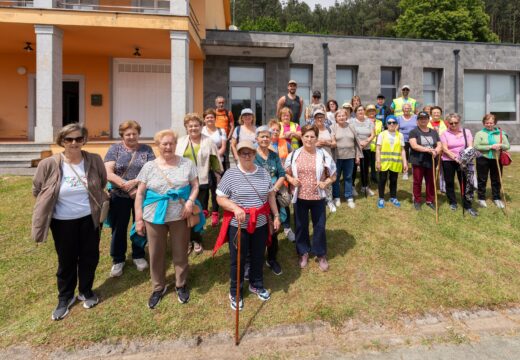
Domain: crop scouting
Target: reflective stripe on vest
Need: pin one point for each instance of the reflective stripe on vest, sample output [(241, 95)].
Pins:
[(399, 102), (391, 155), (378, 129), (295, 143)]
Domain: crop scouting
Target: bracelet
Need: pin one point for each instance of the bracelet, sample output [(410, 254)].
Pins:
[(190, 200), (277, 215)]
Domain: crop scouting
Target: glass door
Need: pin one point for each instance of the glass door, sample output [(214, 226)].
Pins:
[(247, 91)]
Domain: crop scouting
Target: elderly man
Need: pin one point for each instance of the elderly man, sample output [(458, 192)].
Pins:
[(292, 101), (397, 104), (224, 120)]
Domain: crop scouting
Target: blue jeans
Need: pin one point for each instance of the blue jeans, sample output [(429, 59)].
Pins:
[(345, 166), (318, 216)]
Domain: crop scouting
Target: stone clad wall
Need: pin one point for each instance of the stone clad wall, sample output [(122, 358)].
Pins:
[(367, 55)]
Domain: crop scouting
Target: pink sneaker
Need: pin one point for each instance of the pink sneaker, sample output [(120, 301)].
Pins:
[(322, 262), (304, 259), (214, 218)]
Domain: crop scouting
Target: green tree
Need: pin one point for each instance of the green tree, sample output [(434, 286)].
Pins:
[(263, 23), (296, 27), (463, 20)]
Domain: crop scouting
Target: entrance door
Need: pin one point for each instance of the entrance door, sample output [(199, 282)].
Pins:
[(247, 91), (142, 93), (70, 102)]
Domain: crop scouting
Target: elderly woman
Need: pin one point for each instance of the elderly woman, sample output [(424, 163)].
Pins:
[(332, 107), (365, 131), (310, 170), (454, 140), (69, 191), (201, 150), (218, 136), (166, 196), (349, 109), (490, 141), (123, 162), (326, 141), (246, 130), (270, 161), (407, 122), (348, 153), (290, 131), (247, 195), (425, 144)]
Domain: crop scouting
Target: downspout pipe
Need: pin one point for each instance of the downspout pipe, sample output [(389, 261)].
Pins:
[(325, 69), (456, 82)]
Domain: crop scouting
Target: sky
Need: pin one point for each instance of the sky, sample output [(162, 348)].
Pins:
[(324, 3)]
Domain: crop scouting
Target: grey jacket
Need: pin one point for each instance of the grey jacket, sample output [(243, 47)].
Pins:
[(46, 189)]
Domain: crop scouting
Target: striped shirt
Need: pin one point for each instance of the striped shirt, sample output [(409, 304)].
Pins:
[(242, 192)]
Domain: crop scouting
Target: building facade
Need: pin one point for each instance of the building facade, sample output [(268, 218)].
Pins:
[(253, 68)]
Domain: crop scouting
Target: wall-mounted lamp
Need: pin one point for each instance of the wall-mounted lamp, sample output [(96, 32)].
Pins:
[(28, 48), (21, 70), (137, 52)]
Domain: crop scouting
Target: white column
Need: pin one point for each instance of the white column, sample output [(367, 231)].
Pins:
[(180, 7), (180, 78), (49, 85), (45, 4)]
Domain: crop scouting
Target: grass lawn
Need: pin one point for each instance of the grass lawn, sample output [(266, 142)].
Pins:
[(384, 263)]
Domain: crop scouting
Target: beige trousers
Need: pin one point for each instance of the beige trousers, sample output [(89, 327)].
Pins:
[(157, 235)]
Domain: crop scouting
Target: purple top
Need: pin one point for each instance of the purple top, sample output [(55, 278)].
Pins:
[(455, 142), (405, 126)]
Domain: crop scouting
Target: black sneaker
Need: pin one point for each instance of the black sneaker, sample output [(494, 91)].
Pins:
[(156, 297), (417, 206), (472, 212), (453, 207), (274, 266), (62, 309), (430, 205), (183, 294), (89, 300)]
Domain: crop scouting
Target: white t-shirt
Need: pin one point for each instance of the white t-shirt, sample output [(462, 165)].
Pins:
[(217, 136), (73, 199)]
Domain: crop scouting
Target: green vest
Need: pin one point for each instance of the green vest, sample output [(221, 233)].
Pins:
[(391, 155), (398, 105)]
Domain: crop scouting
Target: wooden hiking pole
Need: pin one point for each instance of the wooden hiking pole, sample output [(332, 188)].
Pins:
[(500, 178), (237, 296), (435, 190)]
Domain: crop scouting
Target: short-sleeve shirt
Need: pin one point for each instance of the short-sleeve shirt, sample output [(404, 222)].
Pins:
[(306, 164), (272, 165), (122, 156), (242, 192), (405, 126), (390, 137), (427, 139), (364, 130), (73, 199), (179, 176), (345, 141), (327, 136), (455, 142), (244, 135), (217, 136)]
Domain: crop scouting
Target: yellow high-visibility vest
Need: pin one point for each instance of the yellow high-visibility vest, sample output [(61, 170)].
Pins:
[(377, 129), (391, 154), (295, 143), (398, 105)]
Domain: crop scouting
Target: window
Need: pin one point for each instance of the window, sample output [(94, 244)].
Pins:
[(430, 87), (303, 76), (345, 84), (247, 91), (490, 93), (389, 81)]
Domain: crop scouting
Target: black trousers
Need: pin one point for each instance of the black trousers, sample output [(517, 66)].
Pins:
[(77, 245), (450, 169), (120, 211), (373, 172), (383, 176), (487, 166), (364, 166)]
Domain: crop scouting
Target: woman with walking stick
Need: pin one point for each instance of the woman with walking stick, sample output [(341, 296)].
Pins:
[(425, 145), (247, 196)]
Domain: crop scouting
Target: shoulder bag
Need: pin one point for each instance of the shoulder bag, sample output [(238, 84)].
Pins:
[(505, 158)]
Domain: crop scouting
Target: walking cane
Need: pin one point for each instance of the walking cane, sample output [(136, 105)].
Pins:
[(435, 190), (500, 178), (237, 297)]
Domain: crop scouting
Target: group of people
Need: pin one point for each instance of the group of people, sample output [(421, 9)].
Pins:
[(280, 166)]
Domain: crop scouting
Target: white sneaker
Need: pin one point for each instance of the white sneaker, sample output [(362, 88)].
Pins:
[(499, 204), (350, 203), (354, 192), (482, 203), (337, 202), (370, 192), (117, 269), (331, 206), (405, 176), (141, 264), (290, 234)]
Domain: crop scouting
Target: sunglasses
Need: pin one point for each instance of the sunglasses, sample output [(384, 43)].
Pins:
[(69, 140), (454, 123), (391, 122)]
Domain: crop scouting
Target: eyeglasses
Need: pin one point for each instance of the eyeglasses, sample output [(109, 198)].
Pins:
[(70, 140), (246, 154), (454, 123), (391, 122)]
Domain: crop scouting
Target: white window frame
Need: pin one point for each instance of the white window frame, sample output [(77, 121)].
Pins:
[(488, 96), (352, 86)]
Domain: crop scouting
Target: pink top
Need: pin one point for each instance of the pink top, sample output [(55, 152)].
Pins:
[(455, 142), (306, 164)]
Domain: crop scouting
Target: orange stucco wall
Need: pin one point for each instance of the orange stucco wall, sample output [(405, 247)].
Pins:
[(198, 86), (13, 95)]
